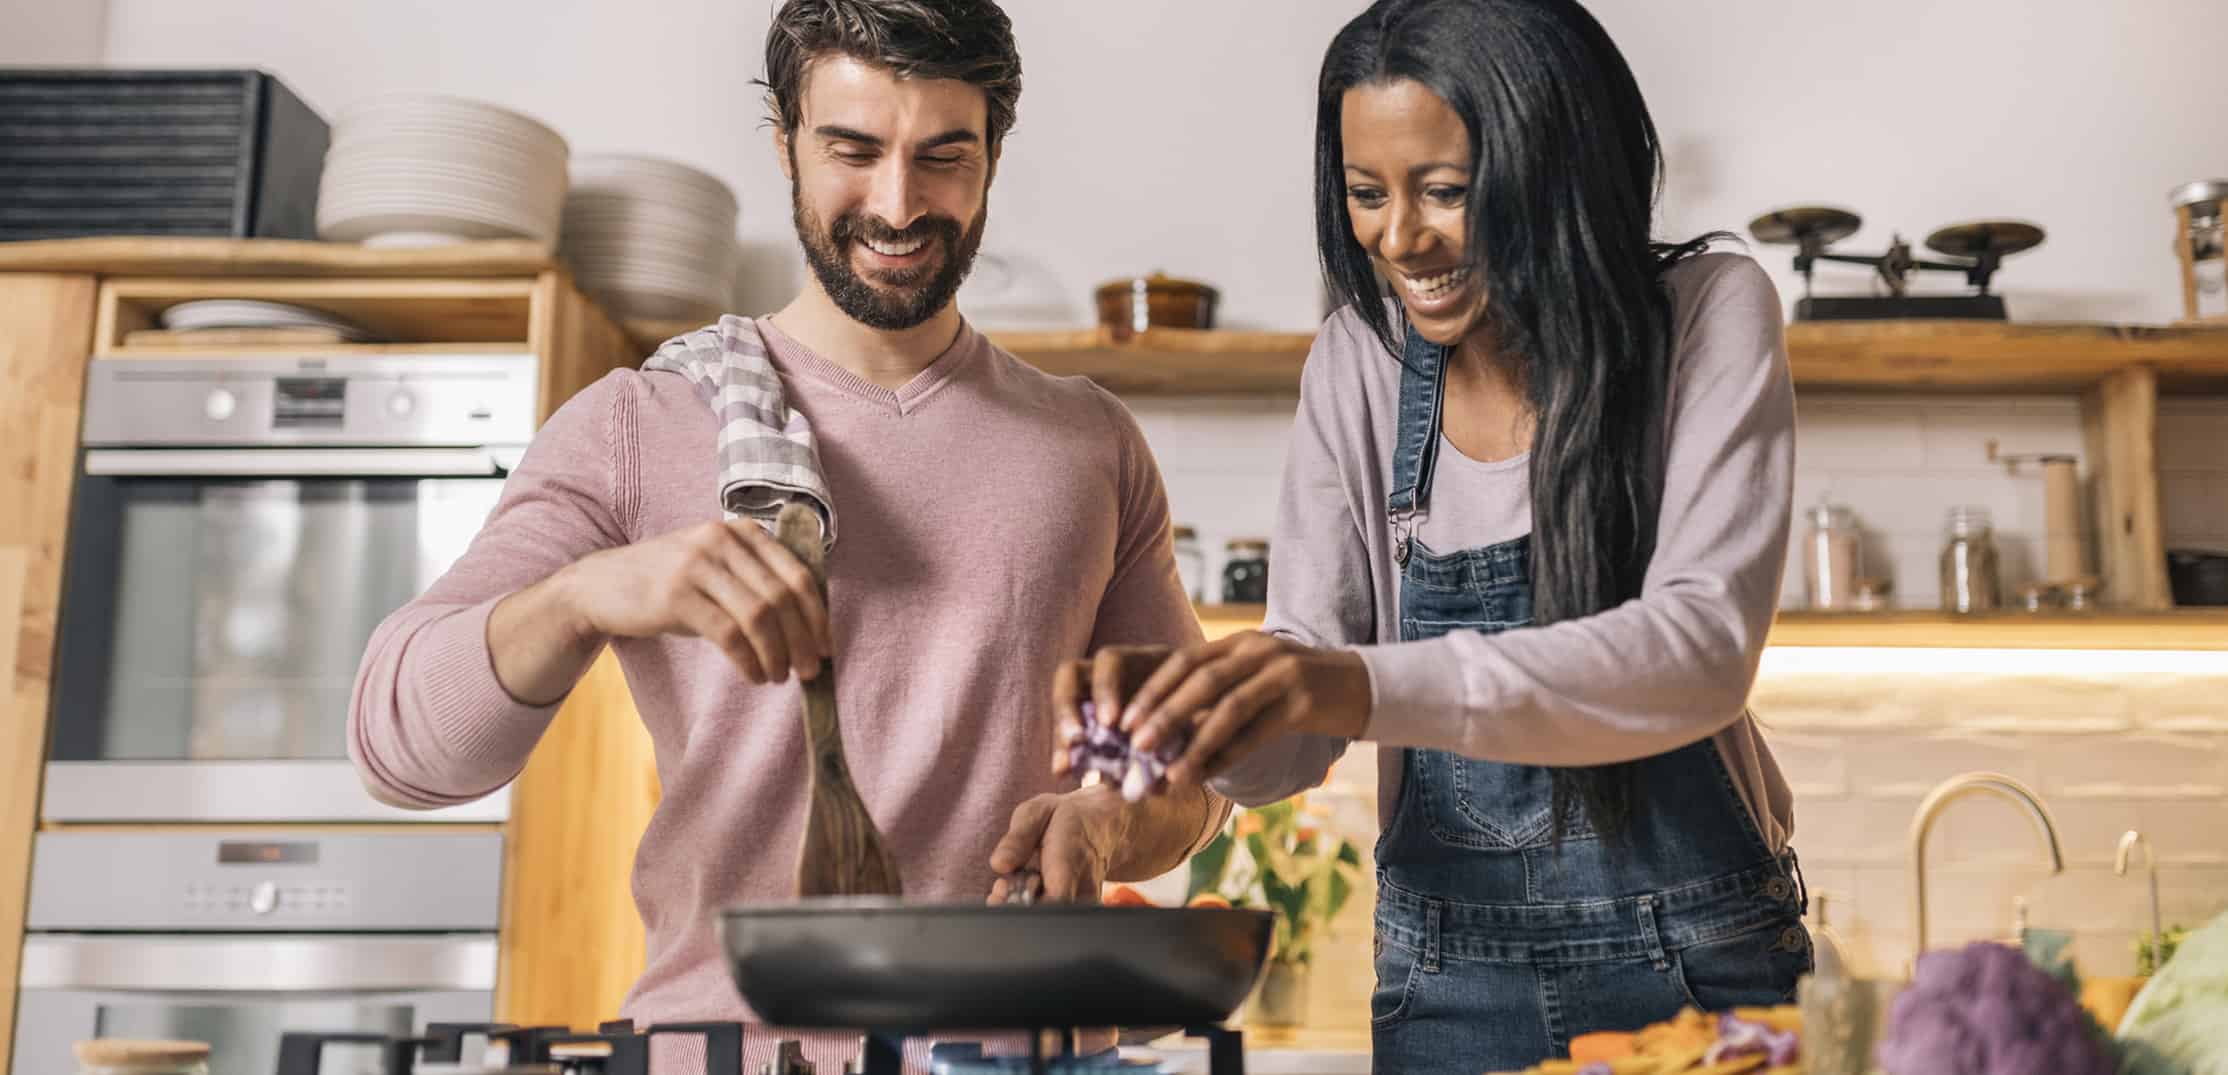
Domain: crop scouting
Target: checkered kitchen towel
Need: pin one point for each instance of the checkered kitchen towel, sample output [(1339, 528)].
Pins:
[(766, 452)]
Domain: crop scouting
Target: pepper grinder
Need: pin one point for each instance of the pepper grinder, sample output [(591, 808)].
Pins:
[(2065, 556)]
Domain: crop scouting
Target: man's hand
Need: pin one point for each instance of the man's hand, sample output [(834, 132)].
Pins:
[(1068, 839), (729, 583)]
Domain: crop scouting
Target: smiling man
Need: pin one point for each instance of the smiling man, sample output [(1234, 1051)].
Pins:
[(997, 525)]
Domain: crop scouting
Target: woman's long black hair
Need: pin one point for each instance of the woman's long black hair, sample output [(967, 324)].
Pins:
[(1566, 170)]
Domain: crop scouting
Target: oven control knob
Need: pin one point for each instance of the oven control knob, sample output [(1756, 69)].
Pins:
[(264, 899), (402, 403), (220, 404)]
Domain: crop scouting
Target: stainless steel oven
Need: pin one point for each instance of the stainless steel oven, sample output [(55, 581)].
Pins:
[(238, 529), (233, 938)]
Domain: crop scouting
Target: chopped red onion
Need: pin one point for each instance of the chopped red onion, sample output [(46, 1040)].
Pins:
[(1104, 749), (1738, 1037)]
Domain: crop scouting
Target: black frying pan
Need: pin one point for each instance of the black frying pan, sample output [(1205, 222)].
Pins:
[(877, 964)]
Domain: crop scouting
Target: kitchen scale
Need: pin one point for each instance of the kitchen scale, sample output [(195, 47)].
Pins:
[(1976, 249)]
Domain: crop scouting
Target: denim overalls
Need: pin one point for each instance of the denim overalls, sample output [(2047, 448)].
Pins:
[(1496, 945)]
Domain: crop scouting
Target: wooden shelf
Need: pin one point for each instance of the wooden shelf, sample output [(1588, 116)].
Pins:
[(1163, 362), (1944, 356), (443, 315), (2180, 629), (133, 256), (1947, 356), (2177, 629), (1995, 356), (1220, 620), (323, 350)]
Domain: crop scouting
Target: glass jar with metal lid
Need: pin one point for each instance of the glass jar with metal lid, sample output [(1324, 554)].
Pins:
[(1245, 572), (1191, 564), (2201, 244)]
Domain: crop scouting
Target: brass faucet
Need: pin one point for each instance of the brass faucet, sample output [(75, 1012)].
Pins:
[(2129, 841), (1957, 787)]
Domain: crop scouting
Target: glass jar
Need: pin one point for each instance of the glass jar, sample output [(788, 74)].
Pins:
[(1873, 595), (1245, 572), (1831, 558), (1191, 564), (2202, 246), (1969, 563), (116, 1056)]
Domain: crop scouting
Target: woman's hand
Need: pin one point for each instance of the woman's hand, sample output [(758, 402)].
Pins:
[(1227, 698), (1103, 681)]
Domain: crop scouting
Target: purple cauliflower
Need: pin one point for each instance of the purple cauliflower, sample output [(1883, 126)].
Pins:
[(1104, 749), (1986, 1009)]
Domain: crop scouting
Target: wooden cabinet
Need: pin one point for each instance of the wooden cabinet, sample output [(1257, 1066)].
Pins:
[(571, 941), (46, 326)]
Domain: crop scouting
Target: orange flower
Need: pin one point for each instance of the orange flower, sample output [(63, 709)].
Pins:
[(1248, 823)]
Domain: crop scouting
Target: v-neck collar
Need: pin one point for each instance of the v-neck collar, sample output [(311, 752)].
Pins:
[(904, 400)]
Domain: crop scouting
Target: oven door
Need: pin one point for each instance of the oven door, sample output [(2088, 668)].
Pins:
[(216, 604), (239, 994)]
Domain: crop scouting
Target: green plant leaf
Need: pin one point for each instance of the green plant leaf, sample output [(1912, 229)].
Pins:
[(1340, 889), (1208, 868)]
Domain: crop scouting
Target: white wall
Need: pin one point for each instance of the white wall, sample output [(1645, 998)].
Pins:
[(1174, 134), (52, 32)]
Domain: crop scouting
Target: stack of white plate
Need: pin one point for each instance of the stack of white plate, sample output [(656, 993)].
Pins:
[(205, 315), (651, 238), (421, 169)]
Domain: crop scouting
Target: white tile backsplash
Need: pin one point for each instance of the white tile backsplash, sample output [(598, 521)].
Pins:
[(2194, 504), (2140, 764), (1958, 437), (1909, 765), (2109, 754)]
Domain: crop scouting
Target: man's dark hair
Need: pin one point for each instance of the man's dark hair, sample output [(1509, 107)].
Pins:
[(968, 40)]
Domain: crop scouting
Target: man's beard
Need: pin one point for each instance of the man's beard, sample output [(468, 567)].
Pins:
[(893, 300)]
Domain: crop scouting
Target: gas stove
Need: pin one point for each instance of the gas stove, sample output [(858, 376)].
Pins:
[(618, 1048)]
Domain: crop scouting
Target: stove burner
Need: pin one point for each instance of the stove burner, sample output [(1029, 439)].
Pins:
[(969, 1060), (617, 1048)]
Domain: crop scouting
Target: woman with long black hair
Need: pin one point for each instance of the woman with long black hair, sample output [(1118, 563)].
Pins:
[(1531, 534)]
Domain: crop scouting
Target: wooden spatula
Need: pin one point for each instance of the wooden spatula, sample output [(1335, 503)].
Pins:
[(842, 853)]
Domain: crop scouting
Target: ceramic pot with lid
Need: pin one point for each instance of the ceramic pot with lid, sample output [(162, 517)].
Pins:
[(1131, 306)]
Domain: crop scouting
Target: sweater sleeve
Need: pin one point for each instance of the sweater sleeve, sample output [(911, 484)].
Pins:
[(1319, 593), (429, 725), (1675, 664)]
